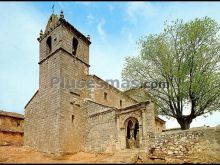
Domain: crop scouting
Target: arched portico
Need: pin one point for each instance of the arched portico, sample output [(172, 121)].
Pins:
[(134, 124)]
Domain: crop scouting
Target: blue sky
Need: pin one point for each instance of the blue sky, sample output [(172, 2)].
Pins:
[(114, 27)]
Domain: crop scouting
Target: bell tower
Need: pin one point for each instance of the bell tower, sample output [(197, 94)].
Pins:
[(55, 120), (60, 36)]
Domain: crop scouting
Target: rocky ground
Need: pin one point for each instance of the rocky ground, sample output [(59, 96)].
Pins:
[(20, 154)]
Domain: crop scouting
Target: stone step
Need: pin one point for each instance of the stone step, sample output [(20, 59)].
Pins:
[(123, 156)]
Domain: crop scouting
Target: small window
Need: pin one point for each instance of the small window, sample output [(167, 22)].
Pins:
[(73, 117), (120, 103), (49, 44), (18, 124), (105, 95), (74, 46)]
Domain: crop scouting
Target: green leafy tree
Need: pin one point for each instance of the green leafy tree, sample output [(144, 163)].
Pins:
[(187, 57)]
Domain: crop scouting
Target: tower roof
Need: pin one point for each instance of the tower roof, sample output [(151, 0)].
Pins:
[(52, 22), (55, 21)]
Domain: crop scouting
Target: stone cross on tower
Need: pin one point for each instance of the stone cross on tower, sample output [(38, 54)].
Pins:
[(53, 9)]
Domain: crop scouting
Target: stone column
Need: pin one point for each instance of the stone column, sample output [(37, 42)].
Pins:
[(122, 138), (144, 124), (140, 135), (150, 117), (118, 144), (148, 123)]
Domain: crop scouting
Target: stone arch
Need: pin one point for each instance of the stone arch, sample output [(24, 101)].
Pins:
[(124, 118), (132, 132)]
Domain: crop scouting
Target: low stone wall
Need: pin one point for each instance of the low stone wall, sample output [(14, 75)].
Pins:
[(184, 143), (11, 138)]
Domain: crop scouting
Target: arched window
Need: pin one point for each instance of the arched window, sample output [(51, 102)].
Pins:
[(73, 117), (105, 95), (49, 44), (120, 103), (74, 46)]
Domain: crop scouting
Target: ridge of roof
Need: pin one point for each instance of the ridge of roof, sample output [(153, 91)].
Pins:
[(11, 114)]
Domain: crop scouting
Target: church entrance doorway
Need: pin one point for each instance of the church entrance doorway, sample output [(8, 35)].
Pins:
[(132, 133)]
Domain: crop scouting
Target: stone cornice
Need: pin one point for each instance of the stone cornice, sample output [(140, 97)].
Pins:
[(54, 52)]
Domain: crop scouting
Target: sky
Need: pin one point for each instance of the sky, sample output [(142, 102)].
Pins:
[(114, 27)]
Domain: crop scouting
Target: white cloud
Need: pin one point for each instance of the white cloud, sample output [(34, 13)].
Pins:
[(142, 10), (100, 29), (91, 18)]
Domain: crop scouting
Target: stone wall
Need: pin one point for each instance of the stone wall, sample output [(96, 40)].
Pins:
[(10, 122), (41, 122), (101, 128), (73, 69), (11, 128), (72, 121), (11, 138), (183, 143), (43, 111), (139, 94), (159, 126), (82, 51), (115, 98)]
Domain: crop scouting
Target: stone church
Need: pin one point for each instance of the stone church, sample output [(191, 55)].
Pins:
[(95, 118)]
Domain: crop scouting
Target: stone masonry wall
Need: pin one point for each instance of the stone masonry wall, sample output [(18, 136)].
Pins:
[(101, 128), (72, 122), (42, 113), (82, 51), (113, 95), (159, 126), (73, 69), (11, 138), (183, 143), (11, 123), (11, 130), (41, 122)]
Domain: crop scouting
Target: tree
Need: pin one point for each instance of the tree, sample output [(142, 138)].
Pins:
[(187, 57)]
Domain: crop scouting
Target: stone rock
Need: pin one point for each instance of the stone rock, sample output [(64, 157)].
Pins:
[(176, 152), (170, 152), (172, 148), (183, 139)]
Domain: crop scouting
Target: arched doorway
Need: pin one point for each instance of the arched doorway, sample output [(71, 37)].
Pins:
[(132, 133)]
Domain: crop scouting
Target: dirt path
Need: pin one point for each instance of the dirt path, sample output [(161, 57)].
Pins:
[(12, 154)]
